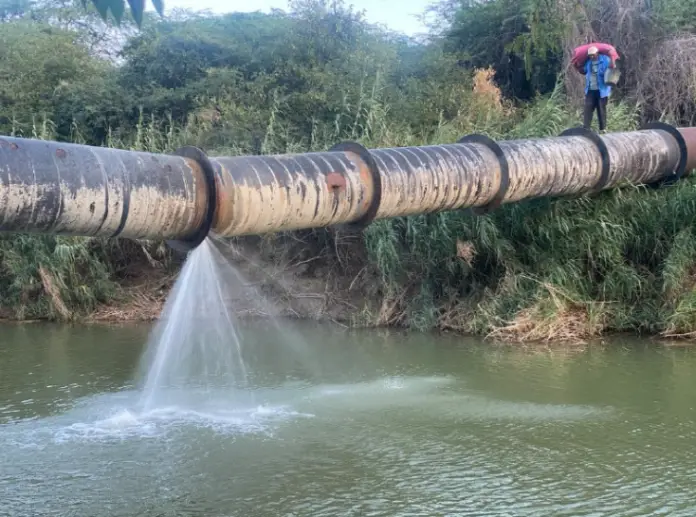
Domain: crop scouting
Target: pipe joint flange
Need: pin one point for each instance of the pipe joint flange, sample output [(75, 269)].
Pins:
[(364, 154), (197, 155), (680, 169), (603, 152), (491, 144)]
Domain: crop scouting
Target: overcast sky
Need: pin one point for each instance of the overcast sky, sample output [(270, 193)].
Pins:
[(398, 15)]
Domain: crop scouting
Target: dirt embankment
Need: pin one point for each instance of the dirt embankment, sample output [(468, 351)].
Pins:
[(333, 283), (310, 285)]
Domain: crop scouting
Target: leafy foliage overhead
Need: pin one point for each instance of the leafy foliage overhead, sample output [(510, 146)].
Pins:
[(117, 8)]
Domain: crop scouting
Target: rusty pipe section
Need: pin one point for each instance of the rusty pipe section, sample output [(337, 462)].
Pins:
[(262, 194), (50, 187), (56, 188), (689, 136)]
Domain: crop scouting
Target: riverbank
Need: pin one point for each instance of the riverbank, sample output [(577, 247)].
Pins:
[(546, 270), (549, 270), (329, 287)]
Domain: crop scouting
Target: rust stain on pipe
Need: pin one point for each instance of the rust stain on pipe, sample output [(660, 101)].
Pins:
[(335, 181), (58, 188), (689, 135), (261, 194)]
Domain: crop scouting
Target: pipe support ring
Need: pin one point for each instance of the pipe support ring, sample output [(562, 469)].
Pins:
[(499, 197), (197, 155), (364, 154)]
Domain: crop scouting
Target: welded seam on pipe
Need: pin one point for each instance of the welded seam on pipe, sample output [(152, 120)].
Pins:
[(389, 206), (201, 159), (105, 179), (59, 212), (126, 185)]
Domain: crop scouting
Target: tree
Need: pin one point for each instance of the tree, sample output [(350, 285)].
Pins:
[(37, 63), (504, 34), (13, 9)]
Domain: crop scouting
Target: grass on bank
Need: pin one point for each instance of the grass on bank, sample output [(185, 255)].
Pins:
[(541, 270)]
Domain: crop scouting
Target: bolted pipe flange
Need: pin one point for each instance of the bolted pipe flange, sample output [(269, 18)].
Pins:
[(491, 144), (603, 152), (197, 155), (683, 151), (364, 154)]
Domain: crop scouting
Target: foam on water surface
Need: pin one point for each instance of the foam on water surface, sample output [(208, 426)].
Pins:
[(111, 418), (118, 416)]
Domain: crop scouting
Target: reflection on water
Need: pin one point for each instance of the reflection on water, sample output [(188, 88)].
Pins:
[(376, 423)]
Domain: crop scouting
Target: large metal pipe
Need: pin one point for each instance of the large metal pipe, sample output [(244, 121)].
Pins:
[(50, 187), (689, 136), (261, 194)]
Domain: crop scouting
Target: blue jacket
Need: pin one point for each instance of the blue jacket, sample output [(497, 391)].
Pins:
[(604, 89)]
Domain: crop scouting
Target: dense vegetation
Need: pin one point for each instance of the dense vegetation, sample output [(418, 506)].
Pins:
[(305, 79)]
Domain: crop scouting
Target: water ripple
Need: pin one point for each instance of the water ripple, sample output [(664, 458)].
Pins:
[(394, 446)]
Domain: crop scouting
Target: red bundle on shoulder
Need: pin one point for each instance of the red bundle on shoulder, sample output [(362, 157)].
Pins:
[(580, 54)]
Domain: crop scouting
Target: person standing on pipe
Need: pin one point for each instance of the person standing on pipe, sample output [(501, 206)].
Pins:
[(597, 92)]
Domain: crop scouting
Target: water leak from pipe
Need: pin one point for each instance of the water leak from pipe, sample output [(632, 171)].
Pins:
[(195, 347), (196, 358)]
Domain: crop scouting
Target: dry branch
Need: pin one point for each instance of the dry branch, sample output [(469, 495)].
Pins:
[(54, 294), (668, 85)]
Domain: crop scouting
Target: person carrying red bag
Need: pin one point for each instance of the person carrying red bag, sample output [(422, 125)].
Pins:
[(597, 90)]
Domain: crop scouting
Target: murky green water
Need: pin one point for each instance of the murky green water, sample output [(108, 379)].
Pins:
[(372, 423)]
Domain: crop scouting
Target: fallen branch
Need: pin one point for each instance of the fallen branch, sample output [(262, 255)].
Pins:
[(53, 292)]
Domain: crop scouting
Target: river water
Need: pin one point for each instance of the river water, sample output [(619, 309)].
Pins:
[(350, 423)]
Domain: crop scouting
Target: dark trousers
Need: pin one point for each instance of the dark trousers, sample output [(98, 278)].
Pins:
[(594, 102)]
